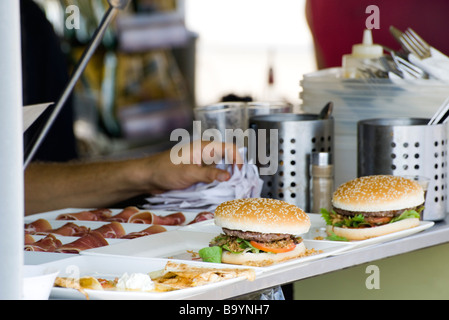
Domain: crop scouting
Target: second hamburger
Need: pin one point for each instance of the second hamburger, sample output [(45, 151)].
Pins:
[(373, 206)]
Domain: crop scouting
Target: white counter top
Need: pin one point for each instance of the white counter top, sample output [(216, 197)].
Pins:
[(438, 234)]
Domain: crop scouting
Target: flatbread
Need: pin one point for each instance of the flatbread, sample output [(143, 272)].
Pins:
[(174, 276), (180, 276), (79, 284)]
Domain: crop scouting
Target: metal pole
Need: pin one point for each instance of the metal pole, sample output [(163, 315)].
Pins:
[(114, 7), (96, 39), (11, 148)]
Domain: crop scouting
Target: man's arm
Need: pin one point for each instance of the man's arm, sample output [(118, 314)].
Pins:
[(51, 186)]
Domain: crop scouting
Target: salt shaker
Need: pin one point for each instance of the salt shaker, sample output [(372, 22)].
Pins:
[(322, 173)]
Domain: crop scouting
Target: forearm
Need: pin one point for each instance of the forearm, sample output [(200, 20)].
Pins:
[(50, 186)]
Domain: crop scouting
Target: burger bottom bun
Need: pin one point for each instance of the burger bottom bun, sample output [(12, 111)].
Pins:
[(263, 258), (367, 233)]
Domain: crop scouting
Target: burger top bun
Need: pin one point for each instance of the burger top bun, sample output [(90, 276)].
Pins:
[(378, 193), (262, 215)]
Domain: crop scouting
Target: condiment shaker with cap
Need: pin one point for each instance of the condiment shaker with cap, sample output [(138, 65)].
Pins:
[(322, 180), (362, 56)]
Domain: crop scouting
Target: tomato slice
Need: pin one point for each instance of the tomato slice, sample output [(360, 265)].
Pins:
[(264, 247)]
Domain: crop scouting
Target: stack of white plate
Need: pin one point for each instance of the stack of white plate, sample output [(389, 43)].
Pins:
[(359, 99)]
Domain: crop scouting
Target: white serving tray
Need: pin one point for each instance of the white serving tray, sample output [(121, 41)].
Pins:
[(128, 227), (318, 230), (113, 267), (68, 239), (184, 245), (51, 215), (35, 258)]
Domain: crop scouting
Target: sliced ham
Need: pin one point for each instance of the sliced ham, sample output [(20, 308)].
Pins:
[(69, 229), (37, 226), (48, 244), (88, 215), (145, 217), (155, 228), (173, 219), (29, 239), (92, 240), (202, 216), (124, 215), (113, 230)]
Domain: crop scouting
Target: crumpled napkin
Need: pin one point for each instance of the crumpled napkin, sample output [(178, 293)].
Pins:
[(244, 183), (437, 65)]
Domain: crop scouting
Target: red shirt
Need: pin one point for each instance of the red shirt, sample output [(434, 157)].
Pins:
[(338, 24)]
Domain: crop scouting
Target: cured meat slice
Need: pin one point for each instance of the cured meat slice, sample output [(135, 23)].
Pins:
[(29, 239), (145, 217), (202, 216), (88, 215), (173, 219), (113, 230), (69, 229), (48, 244), (37, 226), (155, 228), (92, 240), (124, 215)]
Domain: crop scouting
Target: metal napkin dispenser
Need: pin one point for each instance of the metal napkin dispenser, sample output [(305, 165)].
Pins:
[(297, 136), (407, 147)]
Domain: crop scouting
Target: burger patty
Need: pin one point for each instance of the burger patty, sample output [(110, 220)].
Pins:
[(257, 236), (391, 213)]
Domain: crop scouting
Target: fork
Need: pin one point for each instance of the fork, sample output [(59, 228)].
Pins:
[(415, 44), (421, 54), (408, 69), (411, 42)]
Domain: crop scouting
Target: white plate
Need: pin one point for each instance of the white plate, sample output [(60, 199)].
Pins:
[(128, 227), (35, 258), (184, 245), (51, 215), (113, 267), (203, 226), (318, 229), (67, 239)]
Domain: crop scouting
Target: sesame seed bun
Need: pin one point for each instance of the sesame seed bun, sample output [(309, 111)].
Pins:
[(378, 193), (262, 215), (367, 233)]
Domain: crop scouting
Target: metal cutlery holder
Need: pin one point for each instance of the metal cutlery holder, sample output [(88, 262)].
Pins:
[(298, 135), (407, 146)]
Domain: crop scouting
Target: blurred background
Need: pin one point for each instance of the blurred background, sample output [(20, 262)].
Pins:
[(161, 58)]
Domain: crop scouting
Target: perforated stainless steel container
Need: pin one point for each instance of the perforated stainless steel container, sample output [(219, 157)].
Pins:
[(407, 146), (298, 135)]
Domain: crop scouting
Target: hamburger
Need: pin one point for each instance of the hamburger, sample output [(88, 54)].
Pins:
[(259, 231), (373, 206)]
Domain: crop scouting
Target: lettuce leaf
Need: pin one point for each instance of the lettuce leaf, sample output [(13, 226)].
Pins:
[(211, 254), (233, 244), (408, 214), (336, 220), (334, 237)]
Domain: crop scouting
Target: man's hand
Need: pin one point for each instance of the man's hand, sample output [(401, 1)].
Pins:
[(183, 167)]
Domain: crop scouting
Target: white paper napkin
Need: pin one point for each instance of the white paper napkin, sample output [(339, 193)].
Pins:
[(437, 65), (244, 183)]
